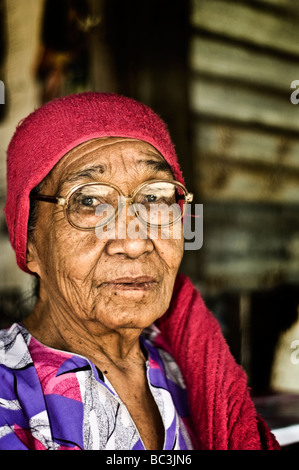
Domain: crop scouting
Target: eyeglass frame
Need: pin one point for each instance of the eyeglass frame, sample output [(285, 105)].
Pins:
[(63, 201)]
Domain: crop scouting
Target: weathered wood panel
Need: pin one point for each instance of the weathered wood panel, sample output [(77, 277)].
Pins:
[(287, 5), (220, 180), (243, 57), (250, 246), (244, 104), (245, 144), (243, 22), (235, 163), (223, 59)]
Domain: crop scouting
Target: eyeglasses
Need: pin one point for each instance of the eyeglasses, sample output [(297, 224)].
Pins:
[(156, 203)]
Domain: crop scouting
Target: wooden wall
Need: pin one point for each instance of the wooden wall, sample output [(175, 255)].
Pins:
[(243, 57), (21, 30)]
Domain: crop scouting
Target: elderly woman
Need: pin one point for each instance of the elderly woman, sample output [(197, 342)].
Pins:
[(119, 351)]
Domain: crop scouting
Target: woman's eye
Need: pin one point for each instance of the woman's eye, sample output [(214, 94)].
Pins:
[(88, 201), (151, 198)]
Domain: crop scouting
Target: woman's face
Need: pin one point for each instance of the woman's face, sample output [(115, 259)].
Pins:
[(115, 282)]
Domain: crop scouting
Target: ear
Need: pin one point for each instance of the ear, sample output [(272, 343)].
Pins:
[(32, 259)]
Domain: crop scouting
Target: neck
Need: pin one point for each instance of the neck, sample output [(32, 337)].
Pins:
[(105, 347)]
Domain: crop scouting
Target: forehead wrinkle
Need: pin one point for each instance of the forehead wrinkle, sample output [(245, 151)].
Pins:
[(150, 160), (92, 172), (101, 168)]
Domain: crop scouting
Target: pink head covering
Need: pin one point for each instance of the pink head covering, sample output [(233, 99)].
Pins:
[(51, 131)]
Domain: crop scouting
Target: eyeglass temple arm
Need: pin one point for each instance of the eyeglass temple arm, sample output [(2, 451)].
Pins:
[(53, 199)]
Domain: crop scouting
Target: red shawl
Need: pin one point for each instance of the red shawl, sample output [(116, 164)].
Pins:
[(222, 412)]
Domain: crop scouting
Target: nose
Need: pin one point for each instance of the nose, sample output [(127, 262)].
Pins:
[(131, 248), (131, 236)]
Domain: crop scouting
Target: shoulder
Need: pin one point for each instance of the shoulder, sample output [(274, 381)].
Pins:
[(14, 351)]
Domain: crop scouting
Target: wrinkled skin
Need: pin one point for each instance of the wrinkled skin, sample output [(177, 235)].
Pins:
[(86, 306)]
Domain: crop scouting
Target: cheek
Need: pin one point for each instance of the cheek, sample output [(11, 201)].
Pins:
[(171, 252), (80, 255), (69, 254)]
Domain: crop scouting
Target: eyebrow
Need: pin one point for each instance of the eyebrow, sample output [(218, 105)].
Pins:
[(156, 165), (91, 173)]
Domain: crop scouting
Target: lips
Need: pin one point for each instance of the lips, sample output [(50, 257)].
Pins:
[(131, 283)]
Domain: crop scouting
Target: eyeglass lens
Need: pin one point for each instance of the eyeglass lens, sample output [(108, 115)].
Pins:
[(95, 205)]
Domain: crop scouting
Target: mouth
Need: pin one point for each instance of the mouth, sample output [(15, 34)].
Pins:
[(140, 283)]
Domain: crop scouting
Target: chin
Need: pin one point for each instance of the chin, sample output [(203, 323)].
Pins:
[(125, 319)]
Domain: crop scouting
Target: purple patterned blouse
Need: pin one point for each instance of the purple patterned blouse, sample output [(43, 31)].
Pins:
[(55, 400)]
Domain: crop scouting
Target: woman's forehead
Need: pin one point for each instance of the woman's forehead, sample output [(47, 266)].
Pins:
[(107, 156)]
